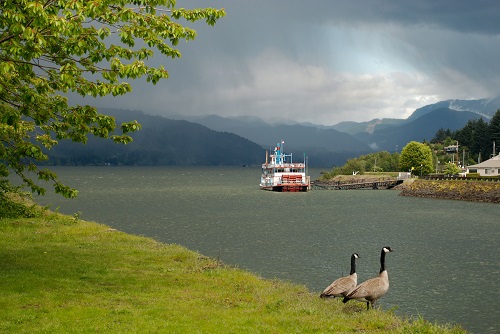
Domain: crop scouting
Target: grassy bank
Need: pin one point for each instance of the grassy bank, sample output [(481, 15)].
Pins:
[(63, 275)]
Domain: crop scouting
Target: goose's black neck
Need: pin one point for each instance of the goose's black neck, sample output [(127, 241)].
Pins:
[(353, 264), (382, 260)]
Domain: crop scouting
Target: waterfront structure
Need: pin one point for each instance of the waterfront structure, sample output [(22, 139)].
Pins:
[(490, 167), (280, 173)]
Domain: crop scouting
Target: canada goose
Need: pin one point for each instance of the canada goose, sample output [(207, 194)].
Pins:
[(371, 290), (343, 285)]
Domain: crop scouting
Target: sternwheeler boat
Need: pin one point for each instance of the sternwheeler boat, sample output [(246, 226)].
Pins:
[(280, 173)]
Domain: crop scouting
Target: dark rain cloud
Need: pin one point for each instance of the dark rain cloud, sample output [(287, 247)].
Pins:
[(328, 61)]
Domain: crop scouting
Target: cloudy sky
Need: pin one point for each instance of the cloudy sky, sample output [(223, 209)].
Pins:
[(327, 61)]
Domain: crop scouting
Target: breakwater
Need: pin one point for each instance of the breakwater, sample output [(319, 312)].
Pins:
[(464, 190)]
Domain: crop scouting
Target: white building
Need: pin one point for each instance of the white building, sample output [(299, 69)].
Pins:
[(489, 167)]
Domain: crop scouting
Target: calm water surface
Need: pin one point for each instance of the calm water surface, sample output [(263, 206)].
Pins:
[(445, 266)]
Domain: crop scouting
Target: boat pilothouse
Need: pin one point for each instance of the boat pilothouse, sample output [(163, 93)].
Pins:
[(280, 173)]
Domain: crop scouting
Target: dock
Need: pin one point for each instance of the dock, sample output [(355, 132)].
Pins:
[(381, 184)]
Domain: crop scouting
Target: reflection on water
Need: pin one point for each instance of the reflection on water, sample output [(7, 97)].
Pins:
[(445, 265)]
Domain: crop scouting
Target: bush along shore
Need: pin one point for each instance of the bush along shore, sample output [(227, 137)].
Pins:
[(60, 274), (465, 190)]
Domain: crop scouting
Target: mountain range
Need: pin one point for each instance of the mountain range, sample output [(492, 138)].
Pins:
[(334, 144), (215, 140), (423, 123)]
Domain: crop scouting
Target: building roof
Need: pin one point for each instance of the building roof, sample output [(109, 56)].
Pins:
[(490, 163)]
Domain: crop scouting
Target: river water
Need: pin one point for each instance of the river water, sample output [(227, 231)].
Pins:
[(445, 267)]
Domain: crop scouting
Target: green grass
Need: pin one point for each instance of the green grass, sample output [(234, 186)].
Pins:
[(61, 275)]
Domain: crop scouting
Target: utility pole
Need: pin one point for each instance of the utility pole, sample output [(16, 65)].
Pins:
[(463, 158)]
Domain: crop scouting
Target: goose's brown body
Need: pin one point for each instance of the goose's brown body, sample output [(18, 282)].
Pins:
[(343, 285)]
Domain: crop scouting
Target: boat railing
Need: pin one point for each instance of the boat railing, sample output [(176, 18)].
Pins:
[(291, 179)]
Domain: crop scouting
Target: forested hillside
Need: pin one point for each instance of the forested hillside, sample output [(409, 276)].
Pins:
[(480, 139), (161, 142)]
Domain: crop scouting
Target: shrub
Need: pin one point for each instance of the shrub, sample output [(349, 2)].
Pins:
[(18, 204)]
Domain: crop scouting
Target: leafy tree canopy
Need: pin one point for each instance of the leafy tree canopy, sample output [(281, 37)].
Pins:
[(417, 157), (52, 47), (451, 169), (374, 162)]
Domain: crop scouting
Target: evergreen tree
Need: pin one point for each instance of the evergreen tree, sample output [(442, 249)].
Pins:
[(495, 129), (482, 138), (441, 135)]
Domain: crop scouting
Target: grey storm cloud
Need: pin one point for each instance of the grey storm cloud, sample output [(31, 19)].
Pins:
[(328, 61), (457, 15)]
